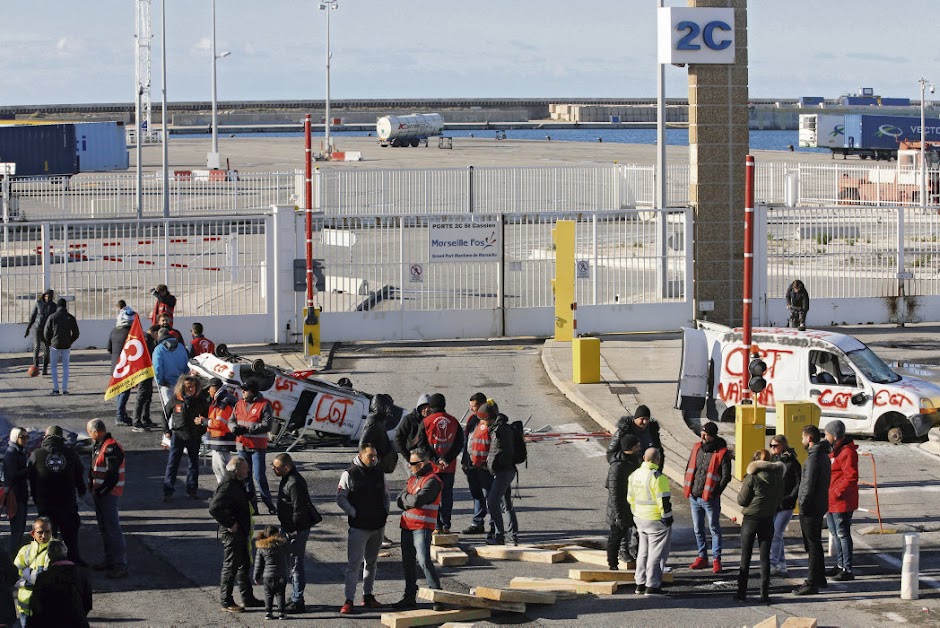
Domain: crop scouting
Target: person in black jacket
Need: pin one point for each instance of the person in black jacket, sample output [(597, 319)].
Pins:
[(185, 420), (44, 308), (500, 463), (271, 569), (62, 593), (782, 452), (797, 304), (363, 496), (142, 421), (9, 575), (231, 508), (411, 425), (116, 342), (619, 515), (474, 483), (813, 500), (16, 479), (374, 430), (55, 476), (295, 512), (60, 332)]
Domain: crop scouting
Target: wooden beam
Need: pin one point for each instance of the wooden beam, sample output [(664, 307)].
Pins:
[(587, 542), (449, 556), (563, 584), (770, 622), (526, 597), (799, 622), (427, 617), (472, 601), (526, 554), (606, 575), (444, 539), (584, 555)]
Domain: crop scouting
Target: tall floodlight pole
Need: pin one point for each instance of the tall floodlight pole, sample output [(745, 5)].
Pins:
[(213, 159), (924, 85), (328, 6), (166, 132)]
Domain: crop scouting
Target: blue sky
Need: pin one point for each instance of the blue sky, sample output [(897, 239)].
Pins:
[(58, 51)]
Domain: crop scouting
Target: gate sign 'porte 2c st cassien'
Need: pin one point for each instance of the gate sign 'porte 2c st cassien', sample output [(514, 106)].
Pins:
[(463, 241)]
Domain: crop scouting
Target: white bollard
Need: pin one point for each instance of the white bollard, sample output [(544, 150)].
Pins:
[(910, 567)]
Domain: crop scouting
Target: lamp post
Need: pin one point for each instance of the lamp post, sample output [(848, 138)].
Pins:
[(213, 160), (328, 5), (163, 118), (924, 85)]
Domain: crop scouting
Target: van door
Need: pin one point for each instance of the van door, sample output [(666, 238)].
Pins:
[(693, 375), (839, 390)]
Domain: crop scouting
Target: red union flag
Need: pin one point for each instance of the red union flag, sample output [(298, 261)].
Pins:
[(134, 365)]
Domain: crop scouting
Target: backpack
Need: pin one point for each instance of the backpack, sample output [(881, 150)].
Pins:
[(519, 454)]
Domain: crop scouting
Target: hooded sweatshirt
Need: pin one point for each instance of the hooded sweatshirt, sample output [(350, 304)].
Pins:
[(170, 360), (761, 489)]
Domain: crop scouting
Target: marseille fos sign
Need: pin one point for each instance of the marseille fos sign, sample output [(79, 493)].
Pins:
[(695, 35)]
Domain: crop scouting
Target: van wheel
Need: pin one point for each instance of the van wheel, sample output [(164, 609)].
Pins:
[(895, 436), (727, 416)]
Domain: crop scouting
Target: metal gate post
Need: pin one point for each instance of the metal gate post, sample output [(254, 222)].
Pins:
[(761, 268), (469, 189), (501, 276), (901, 300), (46, 256), (594, 251), (662, 263)]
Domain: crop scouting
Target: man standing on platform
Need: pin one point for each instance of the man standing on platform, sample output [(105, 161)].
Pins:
[(813, 502), (107, 485), (442, 438), (706, 476)]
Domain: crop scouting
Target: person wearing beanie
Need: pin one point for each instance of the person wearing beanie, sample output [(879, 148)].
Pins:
[(406, 436), (619, 515), (61, 332), (707, 474), (843, 498), (115, 347), (442, 439)]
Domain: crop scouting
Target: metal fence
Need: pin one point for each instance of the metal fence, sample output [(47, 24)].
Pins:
[(215, 266)]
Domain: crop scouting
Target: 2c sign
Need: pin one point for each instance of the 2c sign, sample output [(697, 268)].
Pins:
[(696, 35)]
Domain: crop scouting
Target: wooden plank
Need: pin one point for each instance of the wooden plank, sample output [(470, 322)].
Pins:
[(505, 595), (563, 584), (607, 575), (526, 554), (799, 622), (770, 622), (472, 601), (589, 556), (587, 542), (449, 556), (445, 539), (427, 617)]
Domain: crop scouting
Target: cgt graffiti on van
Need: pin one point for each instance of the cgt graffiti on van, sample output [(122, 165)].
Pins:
[(837, 372)]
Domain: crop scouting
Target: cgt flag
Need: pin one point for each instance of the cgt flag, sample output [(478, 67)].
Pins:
[(134, 365)]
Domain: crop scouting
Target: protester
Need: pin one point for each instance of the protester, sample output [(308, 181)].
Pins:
[(271, 569), (442, 438), (44, 308), (707, 474), (170, 361), (62, 594), (60, 332), (420, 501), (759, 497), (363, 496), (30, 561), (500, 463), (297, 515), (115, 347), (650, 502), (142, 420), (619, 515), (55, 476), (472, 472), (375, 430), (782, 452), (843, 498), (8, 578), (411, 426), (797, 304), (107, 485), (813, 501), (185, 423), (200, 344), (220, 439), (166, 304), (251, 422), (232, 510), (166, 323), (16, 479)]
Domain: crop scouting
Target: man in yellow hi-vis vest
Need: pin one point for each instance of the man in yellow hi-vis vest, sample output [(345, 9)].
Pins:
[(32, 560), (649, 498)]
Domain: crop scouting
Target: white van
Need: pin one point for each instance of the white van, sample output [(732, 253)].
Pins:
[(840, 373)]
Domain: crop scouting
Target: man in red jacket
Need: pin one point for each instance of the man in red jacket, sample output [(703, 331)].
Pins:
[(843, 498), (442, 439)]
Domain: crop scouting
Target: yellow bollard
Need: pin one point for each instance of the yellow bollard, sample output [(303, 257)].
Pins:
[(563, 284), (312, 333), (749, 430), (792, 417), (586, 360)]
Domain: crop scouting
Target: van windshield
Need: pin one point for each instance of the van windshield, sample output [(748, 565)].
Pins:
[(872, 367)]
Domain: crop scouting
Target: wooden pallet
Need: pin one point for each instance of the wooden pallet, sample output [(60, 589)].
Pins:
[(525, 554), (426, 617), (563, 584), (445, 540), (506, 595), (606, 575), (469, 601)]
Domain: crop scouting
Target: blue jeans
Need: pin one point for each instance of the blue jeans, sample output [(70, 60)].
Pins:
[(840, 526), (777, 558), (17, 528), (55, 355), (177, 445), (296, 552), (711, 509), (109, 524), (258, 481), (447, 500), (416, 546), (122, 398), (500, 497)]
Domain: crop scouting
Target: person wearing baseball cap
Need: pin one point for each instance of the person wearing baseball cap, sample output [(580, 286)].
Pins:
[(619, 515), (707, 474)]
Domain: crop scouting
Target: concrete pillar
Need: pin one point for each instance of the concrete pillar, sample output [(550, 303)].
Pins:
[(718, 143)]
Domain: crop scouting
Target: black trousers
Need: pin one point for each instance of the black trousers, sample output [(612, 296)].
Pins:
[(763, 529), (65, 524), (811, 526), (235, 565), (274, 587), (617, 535), (142, 406)]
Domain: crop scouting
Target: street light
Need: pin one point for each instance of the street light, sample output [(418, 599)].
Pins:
[(328, 5), (213, 160), (924, 84)]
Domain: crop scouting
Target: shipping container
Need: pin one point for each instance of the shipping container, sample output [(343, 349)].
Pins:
[(811, 101), (895, 102), (101, 146), (39, 150), (859, 100), (885, 132)]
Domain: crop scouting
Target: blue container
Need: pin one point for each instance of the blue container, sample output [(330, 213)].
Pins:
[(859, 100), (895, 102), (39, 150), (886, 132), (101, 146), (811, 101)]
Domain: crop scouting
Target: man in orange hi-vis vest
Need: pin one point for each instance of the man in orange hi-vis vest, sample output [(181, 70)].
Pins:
[(251, 423), (106, 483)]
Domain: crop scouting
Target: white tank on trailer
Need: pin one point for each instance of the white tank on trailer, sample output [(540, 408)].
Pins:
[(408, 130)]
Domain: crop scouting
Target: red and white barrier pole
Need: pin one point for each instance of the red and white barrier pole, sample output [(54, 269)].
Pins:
[(748, 299), (308, 222)]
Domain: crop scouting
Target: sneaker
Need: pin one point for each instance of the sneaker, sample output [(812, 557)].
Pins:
[(150, 424), (513, 540), (640, 589), (272, 510), (232, 608), (834, 571), (655, 591), (271, 615), (282, 616), (496, 540), (716, 565), (776, 570), (138, 429), (473, 529), (699, 563), (117, 573), (252, 602), (806, 589), (387, 542), (54, 392), (65, 392), (347, 607), (844, 576), (445, 530), (369, 601), (296, 606), (405, 603)]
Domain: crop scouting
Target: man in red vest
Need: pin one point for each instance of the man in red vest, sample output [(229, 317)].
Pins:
[(106, 483), (220, 439), (706, 476), (252, 422), (165, 304), (442, 438), (420, 500)]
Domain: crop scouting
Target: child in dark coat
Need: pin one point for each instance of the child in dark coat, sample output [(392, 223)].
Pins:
[(271, 568)]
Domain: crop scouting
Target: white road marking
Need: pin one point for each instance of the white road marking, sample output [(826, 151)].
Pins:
[(895, 618), (902, 489)]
